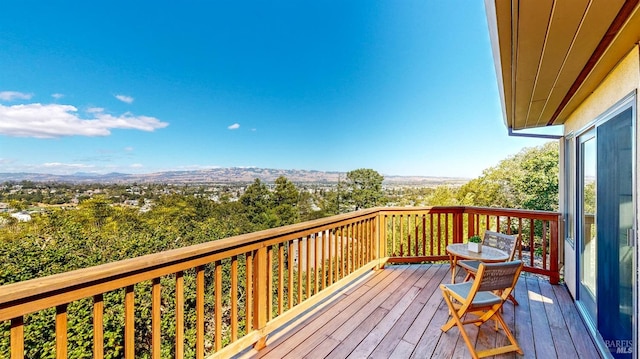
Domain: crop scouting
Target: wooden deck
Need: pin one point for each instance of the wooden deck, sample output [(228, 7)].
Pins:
[(397, 313)]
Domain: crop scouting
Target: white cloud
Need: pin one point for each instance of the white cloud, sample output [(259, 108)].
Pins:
[(95, 109), (14, 95), (125, 98), (128, 149), (235, 126), (136, 165), (54, 120), (57, 96)]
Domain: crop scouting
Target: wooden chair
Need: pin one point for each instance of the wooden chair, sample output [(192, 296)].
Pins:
[(504, 242), (479, 298)]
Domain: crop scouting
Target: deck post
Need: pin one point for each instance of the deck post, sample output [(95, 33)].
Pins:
[(260, 293)]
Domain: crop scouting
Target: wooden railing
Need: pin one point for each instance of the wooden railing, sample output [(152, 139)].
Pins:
[(422, 234), (233, 292)]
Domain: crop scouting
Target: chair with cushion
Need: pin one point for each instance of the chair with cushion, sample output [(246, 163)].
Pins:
[(479, 299), (504, 242)]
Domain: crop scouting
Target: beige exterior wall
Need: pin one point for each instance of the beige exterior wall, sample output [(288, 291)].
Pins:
[(623, 80)]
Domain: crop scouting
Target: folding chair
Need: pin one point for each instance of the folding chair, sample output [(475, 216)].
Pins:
[(479, 298), (505, 242)]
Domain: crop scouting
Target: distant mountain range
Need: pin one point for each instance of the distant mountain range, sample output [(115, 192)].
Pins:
[(221, 175)]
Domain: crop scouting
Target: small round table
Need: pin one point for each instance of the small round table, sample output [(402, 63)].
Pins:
[(460, 251)]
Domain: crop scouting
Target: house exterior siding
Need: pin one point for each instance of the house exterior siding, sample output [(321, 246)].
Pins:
[(623, 80)]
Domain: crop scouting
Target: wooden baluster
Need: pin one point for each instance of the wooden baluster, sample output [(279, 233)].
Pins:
[(458, 225), (323, 259), (365, 240), (17, 338), (290, 254), (369, 232), (337, 243), (249, 289), (343, 252), (431, 251), (61, 331), (362, 243), (401, 236), (362, 239), (349, 249), (554, 278), (544, 245), (217, 278), (269, 270), (424, 235), (179, 315), (280, 278), (156, 306), (471, 225), (532, 242), (200, 312), (300, 254), (450, 220), (332, 254), (98, 326), (520, 239), (385, 243), (308, 267), (354, 247), (316, 263), (366, 231), (393, 235), (416, 235), (234, 298), (129, 323), (352, 240), (439, 233)]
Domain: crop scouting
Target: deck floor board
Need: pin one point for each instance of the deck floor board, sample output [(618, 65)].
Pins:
[(397, 313)]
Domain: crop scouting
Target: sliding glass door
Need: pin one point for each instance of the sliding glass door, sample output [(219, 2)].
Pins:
[(606, 209)]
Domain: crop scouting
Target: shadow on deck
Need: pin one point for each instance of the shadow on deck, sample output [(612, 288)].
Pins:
[(397, 313)]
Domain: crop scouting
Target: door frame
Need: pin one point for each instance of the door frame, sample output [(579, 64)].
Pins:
[(629, 101)]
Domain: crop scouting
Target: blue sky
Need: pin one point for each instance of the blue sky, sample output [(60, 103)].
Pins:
[(403, 87)]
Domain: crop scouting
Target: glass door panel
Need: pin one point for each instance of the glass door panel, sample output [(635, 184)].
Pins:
[(615, 208), (588, 233)]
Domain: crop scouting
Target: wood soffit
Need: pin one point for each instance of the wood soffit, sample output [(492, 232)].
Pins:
[(550, 55)]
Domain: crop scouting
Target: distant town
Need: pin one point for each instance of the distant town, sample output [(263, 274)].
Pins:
[(23, 194), (224, 175)]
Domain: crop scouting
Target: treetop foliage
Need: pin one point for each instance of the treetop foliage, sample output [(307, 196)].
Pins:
[(527, 180)]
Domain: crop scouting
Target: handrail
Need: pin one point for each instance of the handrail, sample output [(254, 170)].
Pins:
[(85, 276), (416, 234), (287, 269)]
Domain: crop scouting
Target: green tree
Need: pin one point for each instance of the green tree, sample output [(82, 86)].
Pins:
[(364, 187), (285, 199), (257, 204), (442, 196), (528, 180)]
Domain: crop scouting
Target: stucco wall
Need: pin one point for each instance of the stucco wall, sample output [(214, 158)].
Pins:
[(623, 80)]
